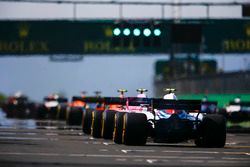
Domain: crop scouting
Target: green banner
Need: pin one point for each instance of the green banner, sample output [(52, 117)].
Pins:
[(124, 36)]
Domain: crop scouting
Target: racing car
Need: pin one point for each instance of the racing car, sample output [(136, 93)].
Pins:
[(81, 110), (170, 122), (208, 106), (96, 120), (74, 112), (165, 120), (133, 105), (78, 105), (53, 107), (103, 120), (19, 106), (237, 111)]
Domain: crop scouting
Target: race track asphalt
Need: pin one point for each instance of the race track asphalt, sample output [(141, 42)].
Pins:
[(52, 143)]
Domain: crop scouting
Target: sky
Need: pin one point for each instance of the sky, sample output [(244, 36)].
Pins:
[(65, 11), (38, 76)]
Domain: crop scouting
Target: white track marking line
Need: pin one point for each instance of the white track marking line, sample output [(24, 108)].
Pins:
[(48, 154), (138, 160), (148, 158), (22, 138), (17, 133), (107, 143), (234, 158), (227, 161), (51, 134), (191, 152), (25, 154), (192, 161), (103, 150), (232, 143), (76, 155), (151, 161), (121, 159), (89, 155), (206, 152), (51, 127), (236, 153), (144, 151), (165, 160), (124, 151), (199, 157)]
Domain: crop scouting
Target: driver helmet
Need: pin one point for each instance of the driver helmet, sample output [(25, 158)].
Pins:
[(122, 91), (170, 94), (142, 93)]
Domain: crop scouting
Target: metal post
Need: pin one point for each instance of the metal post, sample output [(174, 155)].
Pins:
[(120, 10), (162, 11), (172, 62), (208, 14), (74, 11)]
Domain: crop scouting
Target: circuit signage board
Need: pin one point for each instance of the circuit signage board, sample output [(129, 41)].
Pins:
[(124, 36)]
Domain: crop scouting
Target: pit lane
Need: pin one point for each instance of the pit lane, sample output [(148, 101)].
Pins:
[(53, 143)]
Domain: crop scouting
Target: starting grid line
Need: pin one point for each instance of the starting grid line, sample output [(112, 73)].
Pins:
[(150, 159), (115, 156), (92, 141), (188, 152), (146, 156)]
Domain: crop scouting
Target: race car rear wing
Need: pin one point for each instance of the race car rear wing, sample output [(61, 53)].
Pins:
[(115, 100), (209, 107), (240, 103), (137, 101), (60, 99), (105, 100), (238, 107), (88, 99), (187, 105)]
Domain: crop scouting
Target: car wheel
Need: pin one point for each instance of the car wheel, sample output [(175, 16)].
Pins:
[(118, 127), (212, 131), (87, 121), (42, 112), (135, 129), (108, 124), (96, 128), (74, 116), (61, 112)]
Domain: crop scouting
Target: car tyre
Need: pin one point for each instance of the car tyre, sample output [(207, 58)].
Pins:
[(74, 116), (135, 129), (212, 131), (118, 127), (61, 112), (96, 128), (108, 124), (87, 121)]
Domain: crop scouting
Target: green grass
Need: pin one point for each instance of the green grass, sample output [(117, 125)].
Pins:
[(2, 98), (245, 124), (222, 99)]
